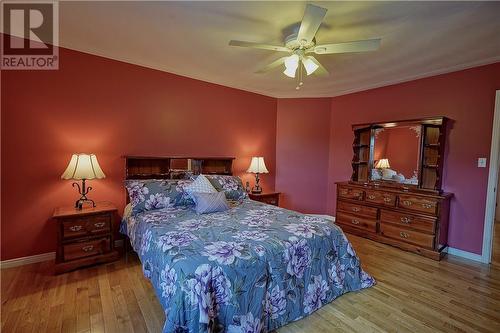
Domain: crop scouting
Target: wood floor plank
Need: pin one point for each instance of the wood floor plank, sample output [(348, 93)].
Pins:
[(412, 294)]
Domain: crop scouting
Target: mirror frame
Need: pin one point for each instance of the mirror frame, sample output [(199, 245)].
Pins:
[(425, 181)]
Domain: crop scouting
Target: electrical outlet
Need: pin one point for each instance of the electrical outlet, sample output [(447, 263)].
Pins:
[(481, 162)]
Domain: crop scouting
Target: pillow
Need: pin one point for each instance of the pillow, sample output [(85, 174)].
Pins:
[(151, 194), (200, 185), (230, 185), (210, 202)]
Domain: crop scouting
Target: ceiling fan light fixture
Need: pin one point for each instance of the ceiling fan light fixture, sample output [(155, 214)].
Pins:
[(309, 65), (291, 65)]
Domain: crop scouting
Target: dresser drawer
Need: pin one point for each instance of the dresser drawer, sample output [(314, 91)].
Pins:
[(379, 197), (357, 222), (420, 204), (99, 224), (75, 227), (86, 248), (406, 235), (350, 193), (407, 220), (358, 209)]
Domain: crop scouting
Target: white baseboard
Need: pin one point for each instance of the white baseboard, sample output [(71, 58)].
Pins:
[(464, 254), (27, 260), (328, 217)]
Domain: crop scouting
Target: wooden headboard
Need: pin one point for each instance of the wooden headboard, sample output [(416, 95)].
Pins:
[(161, 167)]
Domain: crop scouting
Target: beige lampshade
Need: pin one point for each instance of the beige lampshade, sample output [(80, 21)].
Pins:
[(383, 163), (83, 166), (257, 165)]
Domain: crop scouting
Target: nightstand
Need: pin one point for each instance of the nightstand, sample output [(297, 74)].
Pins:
[(84, 237), (271, 198)]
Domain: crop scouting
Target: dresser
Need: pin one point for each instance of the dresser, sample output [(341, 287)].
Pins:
[(84, 237), (411, 220)]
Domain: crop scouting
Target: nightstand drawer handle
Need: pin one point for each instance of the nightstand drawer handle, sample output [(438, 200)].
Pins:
[(88, 248), (403, 234), (99, 224), (406, 220), (356, 209), (344, 191), (387, 199), (75, 228), (371, 197), (354, 221), (407, 202), (427, 205)]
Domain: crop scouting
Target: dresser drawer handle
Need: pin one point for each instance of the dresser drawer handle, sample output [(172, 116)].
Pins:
[(99, 224), (354, 221), (427, 205), (406, 220), (387, 199), (407, 202), (403, 234), (88, 248), (356, 209), (75, 228), (344, 192), (371, 197)]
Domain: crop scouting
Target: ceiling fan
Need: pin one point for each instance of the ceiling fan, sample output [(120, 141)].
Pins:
[(303, 43)]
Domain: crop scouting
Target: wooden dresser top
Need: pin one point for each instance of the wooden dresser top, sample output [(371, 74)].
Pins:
[(69, 211)]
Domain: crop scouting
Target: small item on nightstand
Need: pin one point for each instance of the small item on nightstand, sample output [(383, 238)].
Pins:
[(247, 187), (257, 166), (84, 237), (83, 167)]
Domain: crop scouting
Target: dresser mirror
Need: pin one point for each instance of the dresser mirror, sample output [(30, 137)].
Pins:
[(396, 154), (406, 154)]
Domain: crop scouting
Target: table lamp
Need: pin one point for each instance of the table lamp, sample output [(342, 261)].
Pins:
[(257, 166), (83, 167), (383, 163)]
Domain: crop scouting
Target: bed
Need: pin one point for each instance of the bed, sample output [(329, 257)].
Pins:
[(252, 268)]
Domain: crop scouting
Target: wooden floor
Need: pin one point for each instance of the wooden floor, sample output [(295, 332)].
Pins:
[(413, 294), (495, 256)]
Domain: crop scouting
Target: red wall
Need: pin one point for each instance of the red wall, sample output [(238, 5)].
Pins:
[(467, 97), (110, 108), (302, 140)]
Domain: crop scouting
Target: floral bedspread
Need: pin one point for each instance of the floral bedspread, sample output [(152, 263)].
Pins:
[(253, 268)]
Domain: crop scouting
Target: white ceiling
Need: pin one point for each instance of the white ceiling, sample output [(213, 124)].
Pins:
[(191, 38)]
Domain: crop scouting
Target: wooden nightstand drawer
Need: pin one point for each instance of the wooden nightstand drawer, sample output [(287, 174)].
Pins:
[(99, 224), (86, 248), (81, 227)]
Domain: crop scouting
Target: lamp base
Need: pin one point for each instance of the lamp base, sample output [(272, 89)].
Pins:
[(83, 192), (257, 189)]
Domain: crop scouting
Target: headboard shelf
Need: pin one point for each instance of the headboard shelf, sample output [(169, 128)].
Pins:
[(165, 167)]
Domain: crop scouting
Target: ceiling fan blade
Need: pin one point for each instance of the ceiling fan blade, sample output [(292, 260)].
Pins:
[(313, 16), (321, 71), (272, 65), (357, 46), (259, 46)]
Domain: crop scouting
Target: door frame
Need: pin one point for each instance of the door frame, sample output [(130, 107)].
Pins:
[(491, 196)]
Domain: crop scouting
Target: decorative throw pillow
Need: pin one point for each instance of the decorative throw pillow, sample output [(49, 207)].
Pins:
[(210, 202), (200, 185), (230, 185), (151, 194)]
